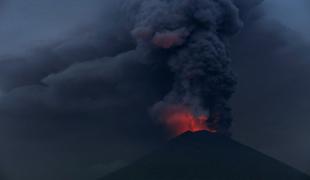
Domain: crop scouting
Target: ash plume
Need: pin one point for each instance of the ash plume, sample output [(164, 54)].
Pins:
[(193, 34), (100, 82), (151, 53)]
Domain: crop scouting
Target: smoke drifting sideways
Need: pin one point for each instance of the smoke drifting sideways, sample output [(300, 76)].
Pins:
[(176, 45), (193, 36), (104, 79)]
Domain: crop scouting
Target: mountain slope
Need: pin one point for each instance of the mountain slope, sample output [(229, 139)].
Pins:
[(205, 156)]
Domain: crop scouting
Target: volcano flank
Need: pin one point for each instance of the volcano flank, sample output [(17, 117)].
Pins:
[(206, 156)]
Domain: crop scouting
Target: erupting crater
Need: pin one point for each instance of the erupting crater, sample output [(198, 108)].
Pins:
[(180, 119)]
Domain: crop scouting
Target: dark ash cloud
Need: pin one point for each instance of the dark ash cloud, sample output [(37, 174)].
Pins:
[(102, 81), (81, 105), (87, 75)]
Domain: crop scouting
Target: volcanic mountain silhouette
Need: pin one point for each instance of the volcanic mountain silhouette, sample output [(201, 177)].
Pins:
[(205, 156)]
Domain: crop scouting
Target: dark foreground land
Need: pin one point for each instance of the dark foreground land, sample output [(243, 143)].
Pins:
[(205, 156)]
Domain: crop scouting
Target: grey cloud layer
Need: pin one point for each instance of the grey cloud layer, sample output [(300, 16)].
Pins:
[(75, 76), (92, 85), (87, 98)]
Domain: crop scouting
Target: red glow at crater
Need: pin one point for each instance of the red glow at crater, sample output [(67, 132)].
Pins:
[(179, 119)]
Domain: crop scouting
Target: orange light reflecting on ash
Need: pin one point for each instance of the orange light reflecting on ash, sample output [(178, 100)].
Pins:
[(179, 120)]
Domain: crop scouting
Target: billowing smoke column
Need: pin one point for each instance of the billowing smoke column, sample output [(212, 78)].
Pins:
[(193, 34)]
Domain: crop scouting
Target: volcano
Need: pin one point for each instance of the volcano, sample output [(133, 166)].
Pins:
[(206, 156)]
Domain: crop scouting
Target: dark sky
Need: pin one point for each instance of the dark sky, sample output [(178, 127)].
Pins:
[(272, 61), (33, 23), (51, 120)]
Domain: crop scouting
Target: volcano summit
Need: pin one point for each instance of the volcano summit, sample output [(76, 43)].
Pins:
[(206, 156)]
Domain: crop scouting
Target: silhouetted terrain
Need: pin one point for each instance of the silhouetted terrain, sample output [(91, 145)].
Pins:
[(205, 156)]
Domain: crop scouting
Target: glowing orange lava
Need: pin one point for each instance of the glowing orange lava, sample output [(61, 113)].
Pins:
[(180, 119)]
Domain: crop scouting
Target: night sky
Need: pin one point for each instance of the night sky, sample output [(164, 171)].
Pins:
[(65, 115)]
